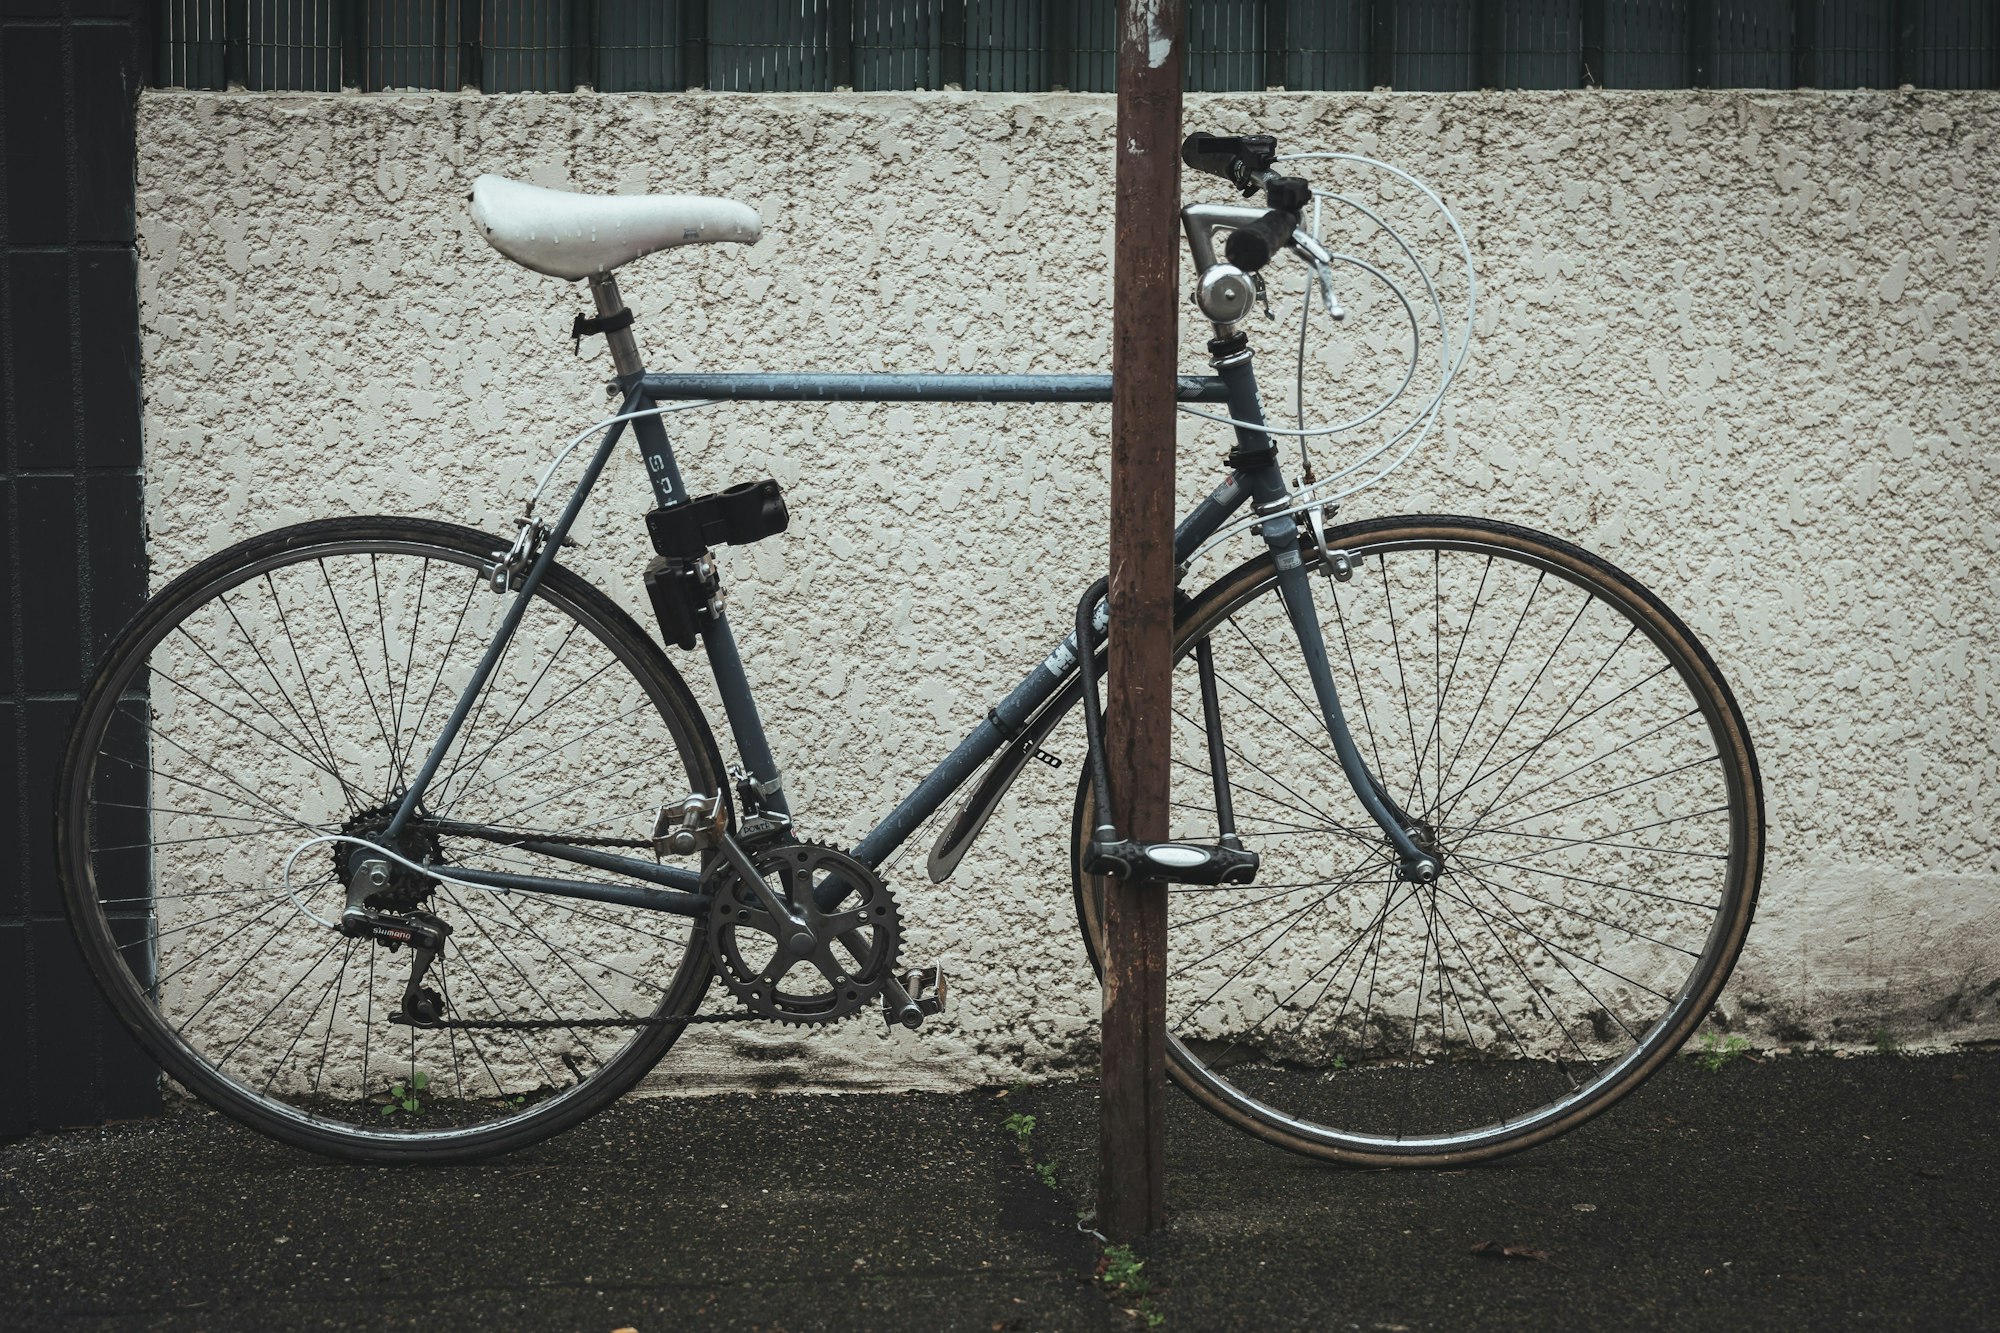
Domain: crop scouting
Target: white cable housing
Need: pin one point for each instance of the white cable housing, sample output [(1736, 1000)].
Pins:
[(1367, 468), (548, 471), (428, 872)]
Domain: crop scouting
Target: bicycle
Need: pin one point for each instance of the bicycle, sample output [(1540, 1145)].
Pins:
[(398, 746)]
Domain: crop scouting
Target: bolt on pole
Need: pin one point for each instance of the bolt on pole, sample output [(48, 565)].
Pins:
[(1131, 1187)]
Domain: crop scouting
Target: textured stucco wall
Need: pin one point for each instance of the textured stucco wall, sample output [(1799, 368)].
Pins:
[(1744, 344)]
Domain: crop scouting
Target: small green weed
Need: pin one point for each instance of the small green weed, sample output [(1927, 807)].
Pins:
[(1022, 1127), (402, 1094), (1717, 1050), (1885, 1041), (1124, 1277), (1339, 1062), (1123, 1271)]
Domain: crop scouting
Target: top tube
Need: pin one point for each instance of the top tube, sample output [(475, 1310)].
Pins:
[(911, 388)]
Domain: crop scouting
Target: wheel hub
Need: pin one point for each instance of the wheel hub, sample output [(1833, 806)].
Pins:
[(1425, 836)]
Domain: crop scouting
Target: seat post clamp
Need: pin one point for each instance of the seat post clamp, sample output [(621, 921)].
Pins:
[(588, 326)]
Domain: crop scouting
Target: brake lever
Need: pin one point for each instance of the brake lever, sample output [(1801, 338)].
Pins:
[(1321, 262)]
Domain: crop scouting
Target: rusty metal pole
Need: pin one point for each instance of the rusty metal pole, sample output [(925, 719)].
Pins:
[(1131, 1186)]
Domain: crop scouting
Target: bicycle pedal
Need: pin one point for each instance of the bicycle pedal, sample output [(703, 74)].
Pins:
[(926, 988)]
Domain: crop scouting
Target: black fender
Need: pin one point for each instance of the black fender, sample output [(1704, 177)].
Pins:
[(998, 778)]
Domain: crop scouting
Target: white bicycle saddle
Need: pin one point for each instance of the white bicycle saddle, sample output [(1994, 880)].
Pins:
[(570, 235)]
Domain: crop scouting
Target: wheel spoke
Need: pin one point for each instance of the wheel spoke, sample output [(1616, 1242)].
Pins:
[(1487, 690), (318, 760), (528, 981), (407, 752), (1415, 794), (1606, 840), (1311, 710), (333, 1012), (1459, 795), (1609, 791), (492, 783), (360, 671), (1354, 674), (508, 728), (1556, 728), (1513, 919), (305, 680), (1470, 861), (1529, 693), (1332, 963)]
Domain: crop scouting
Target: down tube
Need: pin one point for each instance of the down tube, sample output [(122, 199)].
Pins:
[(1006, 718)]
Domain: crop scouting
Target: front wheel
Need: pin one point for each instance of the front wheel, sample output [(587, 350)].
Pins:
[(1576, 762), (279, 696)]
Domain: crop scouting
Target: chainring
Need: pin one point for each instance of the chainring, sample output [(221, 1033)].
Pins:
[(792, 975)]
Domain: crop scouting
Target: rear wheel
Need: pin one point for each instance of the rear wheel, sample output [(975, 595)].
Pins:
[(284, 691), (1581, 770)]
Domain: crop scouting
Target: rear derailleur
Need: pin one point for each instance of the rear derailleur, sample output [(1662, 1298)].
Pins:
[(365, 918), (426, 936)]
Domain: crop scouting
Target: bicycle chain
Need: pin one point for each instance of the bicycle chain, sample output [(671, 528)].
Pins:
[(547, 1024), (451, 828)]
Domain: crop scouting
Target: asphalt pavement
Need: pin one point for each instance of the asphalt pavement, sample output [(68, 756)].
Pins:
[(1800, 1192)]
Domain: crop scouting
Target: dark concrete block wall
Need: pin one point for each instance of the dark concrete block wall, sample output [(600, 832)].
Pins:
[(72, 530)]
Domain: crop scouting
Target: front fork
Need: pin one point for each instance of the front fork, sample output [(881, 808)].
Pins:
[(1413, 864), (1256, 463)]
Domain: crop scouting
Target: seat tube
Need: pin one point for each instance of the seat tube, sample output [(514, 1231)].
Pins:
[(725, 662), (1255, 461)]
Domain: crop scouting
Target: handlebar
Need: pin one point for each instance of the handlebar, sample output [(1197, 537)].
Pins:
[(1241, 159), (1244, 160), (1251, 248)]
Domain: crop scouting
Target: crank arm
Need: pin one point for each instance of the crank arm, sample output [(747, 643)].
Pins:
[(739, 861), (896, 1002)]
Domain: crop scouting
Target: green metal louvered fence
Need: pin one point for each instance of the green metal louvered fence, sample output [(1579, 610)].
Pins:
[(1031, 45)]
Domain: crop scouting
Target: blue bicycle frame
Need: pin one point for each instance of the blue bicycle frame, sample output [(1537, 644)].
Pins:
[(1254, 478)]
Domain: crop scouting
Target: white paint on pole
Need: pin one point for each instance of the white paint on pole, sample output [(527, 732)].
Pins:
[(1143, 26)]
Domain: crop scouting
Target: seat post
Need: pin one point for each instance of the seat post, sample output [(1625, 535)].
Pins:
[(624, 347), (647, 429)]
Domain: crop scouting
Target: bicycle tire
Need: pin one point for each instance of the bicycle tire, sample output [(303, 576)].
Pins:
[(104, 919), (1198, 1063)]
